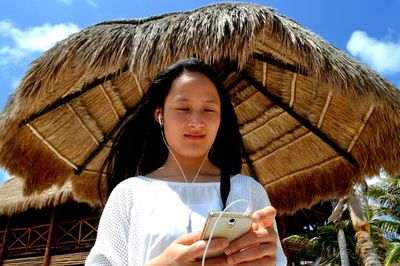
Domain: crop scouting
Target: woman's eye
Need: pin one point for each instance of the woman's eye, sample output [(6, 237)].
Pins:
[(209, 110), (182, 109)]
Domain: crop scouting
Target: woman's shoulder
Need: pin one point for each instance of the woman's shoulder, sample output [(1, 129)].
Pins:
[(131, 184), (247, 182), (240, 178), (128, 190)]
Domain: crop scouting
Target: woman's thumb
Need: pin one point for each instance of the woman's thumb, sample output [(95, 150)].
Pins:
[(188, 239)]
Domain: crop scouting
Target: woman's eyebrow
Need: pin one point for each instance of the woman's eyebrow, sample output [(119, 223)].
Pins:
[(183, 99), (212, 101)]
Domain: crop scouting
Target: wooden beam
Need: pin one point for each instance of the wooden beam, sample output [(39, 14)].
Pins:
[(275, 62), (50, 146), (4, 241), (77, 94), (47, 253), (303, 121), (105, 140)]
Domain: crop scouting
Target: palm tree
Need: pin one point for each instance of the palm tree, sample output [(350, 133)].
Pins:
[(361, 226), (322, 245), (383, 219), (336, 218), (322, 242), (385, 212)]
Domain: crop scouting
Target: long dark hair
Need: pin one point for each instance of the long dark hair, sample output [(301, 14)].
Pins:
[(138, 148)]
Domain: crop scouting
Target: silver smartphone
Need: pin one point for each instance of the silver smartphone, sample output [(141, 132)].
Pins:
[(231, 225)]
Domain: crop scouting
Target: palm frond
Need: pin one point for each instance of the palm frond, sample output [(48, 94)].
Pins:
[(388, 225), (384, 196), (393, 254), (379, 239), (323, 243)]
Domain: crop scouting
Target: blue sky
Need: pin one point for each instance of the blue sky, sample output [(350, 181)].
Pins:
[(366, 29)]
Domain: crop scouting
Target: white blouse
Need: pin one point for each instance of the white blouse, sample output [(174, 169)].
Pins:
[(143, 216)]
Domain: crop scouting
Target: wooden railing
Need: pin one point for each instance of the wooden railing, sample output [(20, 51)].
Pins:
[(2, 233), (24, 239), (67, 235), (76, 232)]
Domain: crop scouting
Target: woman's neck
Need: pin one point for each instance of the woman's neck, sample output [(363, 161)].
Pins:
[(171, 171)]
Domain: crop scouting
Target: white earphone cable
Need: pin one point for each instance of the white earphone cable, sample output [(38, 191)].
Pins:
[(248, 210), (180, 168), (216, 223)]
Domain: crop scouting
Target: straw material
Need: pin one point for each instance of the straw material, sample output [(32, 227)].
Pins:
[(77, 258), (314, 121), (13, 201)]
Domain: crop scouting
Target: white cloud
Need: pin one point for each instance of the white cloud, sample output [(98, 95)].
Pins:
[(37, 39), (10, 55), (67, 2), (25, 42), (92, 3), (381, 55)]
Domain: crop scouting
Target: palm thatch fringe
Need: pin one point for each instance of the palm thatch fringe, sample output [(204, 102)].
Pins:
[(13, 201)]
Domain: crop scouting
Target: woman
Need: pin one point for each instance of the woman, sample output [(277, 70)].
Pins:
[(178, 157)]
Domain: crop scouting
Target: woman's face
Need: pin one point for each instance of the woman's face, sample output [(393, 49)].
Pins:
[(191, 115)]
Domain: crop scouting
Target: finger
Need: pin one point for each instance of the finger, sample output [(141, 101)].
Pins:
[(188, 239), (252, 238), (198, 248), (221, 261), (264, 216), (254, 254), (266, 261)]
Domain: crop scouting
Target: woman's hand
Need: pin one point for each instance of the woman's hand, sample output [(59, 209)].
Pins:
[(185, 249), (259, 245)]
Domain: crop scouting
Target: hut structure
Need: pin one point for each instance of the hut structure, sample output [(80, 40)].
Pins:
[(46, 229), (314, 121)]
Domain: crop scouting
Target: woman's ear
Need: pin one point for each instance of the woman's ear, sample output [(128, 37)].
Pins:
[(158, 116)]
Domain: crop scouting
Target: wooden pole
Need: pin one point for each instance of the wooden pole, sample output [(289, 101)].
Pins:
[(4, 241), (344, 257), (47, 254)]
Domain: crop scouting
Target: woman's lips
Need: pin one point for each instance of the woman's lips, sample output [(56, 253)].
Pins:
[(194, 136)]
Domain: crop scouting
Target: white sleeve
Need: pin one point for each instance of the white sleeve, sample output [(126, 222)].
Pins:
[(111, 247), (260, 200)]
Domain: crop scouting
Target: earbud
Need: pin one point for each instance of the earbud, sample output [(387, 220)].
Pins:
[(159, 119)]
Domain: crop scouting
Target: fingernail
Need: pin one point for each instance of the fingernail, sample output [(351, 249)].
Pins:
[(229, 260), (228, 251), (225, 243), (257, 218)]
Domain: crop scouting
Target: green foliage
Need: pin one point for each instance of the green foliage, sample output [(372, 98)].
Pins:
[(385, 205), (322, 243), (385, 214), (393, 254)]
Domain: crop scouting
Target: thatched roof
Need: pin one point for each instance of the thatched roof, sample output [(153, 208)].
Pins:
[(313, 119), (12, 199)]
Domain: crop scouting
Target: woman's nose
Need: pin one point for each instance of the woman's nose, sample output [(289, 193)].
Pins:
[(195, 119)]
